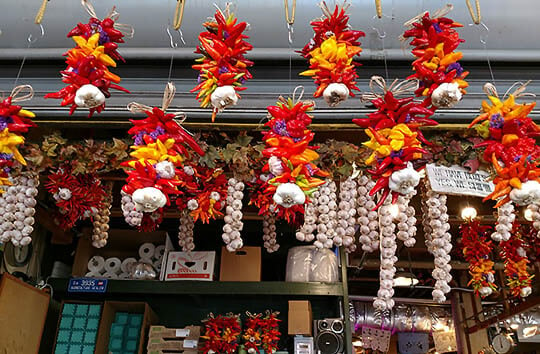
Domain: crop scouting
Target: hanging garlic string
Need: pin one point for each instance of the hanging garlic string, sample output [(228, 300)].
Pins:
[(306, 232), (185, 232), (505, 219), (406, 220), (327, 220), (131, 216), (346, 215), (367, 218), (233, 218), (101, 220), (269, 233)]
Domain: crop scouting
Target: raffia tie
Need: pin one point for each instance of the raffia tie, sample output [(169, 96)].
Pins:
[(476, 17), (18, 94), (168, 96), (127, 30), (519, 91), (378, 83)]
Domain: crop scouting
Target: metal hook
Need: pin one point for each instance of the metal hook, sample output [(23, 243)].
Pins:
[(290, 29), (482, 25), (31, 39), (379, 34), (174, 44)]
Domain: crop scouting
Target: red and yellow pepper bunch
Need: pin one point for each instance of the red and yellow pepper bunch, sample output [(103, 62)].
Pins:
[(396, 142), (476, 248), (14, 121), (331, 52), (221, 334), (261, 333), (441, 77), (87, 74), (222, 69), (291, 175), (510, 147), (515, 261)]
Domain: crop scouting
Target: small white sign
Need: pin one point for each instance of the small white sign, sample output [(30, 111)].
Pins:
[(458, 181), (190, 343), (182, 332)]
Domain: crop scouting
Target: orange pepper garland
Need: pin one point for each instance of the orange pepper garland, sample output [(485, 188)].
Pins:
[(515, 263)]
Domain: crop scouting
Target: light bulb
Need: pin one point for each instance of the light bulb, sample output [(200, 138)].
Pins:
[(528, 214), (468, 213), (394, 210), (529, 331), (357, 343), (514, 326)]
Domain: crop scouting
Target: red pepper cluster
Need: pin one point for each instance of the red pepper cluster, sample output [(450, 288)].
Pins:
[(262, 332), (222, 334), (530, 237), (513, 254), (87, 63), (14, 121), (435, 41), (223, 47), (86, 195), (477, 248), (394, 118), (332, 69)]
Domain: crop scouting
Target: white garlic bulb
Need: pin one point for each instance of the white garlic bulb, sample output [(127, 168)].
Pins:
[(335, 93), (447, 95), (133, 217), (89, 96), (223, 97), (505, 219)]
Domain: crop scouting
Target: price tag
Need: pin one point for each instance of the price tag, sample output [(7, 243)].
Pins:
[(87, 285), (182, 332), (458, 181), (190, 343)]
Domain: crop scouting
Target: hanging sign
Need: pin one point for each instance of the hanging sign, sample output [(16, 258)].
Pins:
[(458, 181), (376, 339), (413, 343), (445, 341), (87, 285)]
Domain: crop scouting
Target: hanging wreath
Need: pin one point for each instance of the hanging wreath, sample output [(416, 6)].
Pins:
[(515, 261), (434, 41), (222, 334), (330, 53), (222, 69), (87, 74), (476, 249)]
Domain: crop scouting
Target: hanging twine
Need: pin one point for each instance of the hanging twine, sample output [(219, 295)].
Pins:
[(18, 95), (377, 83), (289, 17), (179, 14), (519, 91), (378, 7), (168, 96), (476, 17), (41, 12), (127, 30)]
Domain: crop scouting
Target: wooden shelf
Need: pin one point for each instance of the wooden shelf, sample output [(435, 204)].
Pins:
[(211, 288)]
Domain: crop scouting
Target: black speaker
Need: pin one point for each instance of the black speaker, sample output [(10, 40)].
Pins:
[(328, 336)]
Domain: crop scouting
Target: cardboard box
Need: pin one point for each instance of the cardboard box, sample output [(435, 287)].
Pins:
[(122, 244), (177, 340), (300, 318), (23, 310), (190, 266), (107, 318), (241, 265)]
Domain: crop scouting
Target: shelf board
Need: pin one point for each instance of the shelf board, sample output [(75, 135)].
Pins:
[(190, 287)]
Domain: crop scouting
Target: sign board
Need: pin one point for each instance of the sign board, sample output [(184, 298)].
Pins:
[(87, 285), (458, 181), (376, 339)]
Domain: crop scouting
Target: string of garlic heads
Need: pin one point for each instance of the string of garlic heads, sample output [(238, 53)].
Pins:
[(346, 215), (233, 218), (269, 233), (406, 221), (185, 231), (367, 218), (101, 219), (505, 219), (535, 216), (327, 220), (133, 217), (311, 214)]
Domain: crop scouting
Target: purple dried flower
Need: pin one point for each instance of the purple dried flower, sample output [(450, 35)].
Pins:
[(496, 121), (457, 67), (138, 139), (437, 28), (223, 70), (280, 127)]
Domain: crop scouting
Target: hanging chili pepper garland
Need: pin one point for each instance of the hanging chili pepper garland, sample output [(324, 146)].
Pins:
[(261, 332), (14, 121), (156, 170), (515, 263), (510, 147), (395, 139), (441, 77), (476, 249), (87, 74), (221, 334), (330, 53), (292, 176), (222, 69)]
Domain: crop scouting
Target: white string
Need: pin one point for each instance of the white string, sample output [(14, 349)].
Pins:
[(31, 40), (483, 39)]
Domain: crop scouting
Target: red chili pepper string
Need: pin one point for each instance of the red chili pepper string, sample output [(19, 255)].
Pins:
[(477, 248), (221, 334)]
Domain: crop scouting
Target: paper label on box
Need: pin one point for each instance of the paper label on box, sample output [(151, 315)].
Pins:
[(376, 339), (190, 266), (190, 343), (182, 332), (459, 181)]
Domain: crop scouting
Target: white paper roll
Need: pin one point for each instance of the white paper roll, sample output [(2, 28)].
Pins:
[(93, 275), (147, 250), (112, 265), (159, 252), (109, 275), (157, 264), (146, 260), (126, 264), (96, 264)]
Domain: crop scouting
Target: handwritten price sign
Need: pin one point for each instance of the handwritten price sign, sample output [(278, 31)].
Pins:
[(458, 181)]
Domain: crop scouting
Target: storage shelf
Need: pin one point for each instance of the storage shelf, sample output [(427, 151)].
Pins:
[(211, 288)]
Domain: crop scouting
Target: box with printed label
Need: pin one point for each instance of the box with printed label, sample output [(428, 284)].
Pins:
[(190, 266)]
